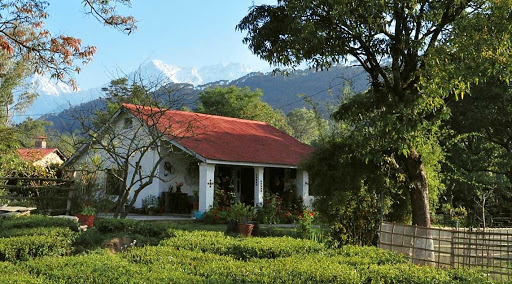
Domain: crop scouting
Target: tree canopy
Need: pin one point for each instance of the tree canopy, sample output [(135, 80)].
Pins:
[(23, 35), (240, 103), (416, 54)]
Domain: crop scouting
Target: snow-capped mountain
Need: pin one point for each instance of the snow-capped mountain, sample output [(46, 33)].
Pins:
[(57, 96)]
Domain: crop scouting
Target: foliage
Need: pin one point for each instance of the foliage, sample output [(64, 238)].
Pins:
[(477, 168), (240, 103), (15, 94), (29, 129), (416, 56), (26, 237), (24, 35), (36, 221), (275, 210), (304, 227), (206, 257), (241, 213), (305, 126), (88, 210), (150, 202)]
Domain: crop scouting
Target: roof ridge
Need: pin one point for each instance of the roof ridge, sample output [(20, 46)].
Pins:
[(200, 114)]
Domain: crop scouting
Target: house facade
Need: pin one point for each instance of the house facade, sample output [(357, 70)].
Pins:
[(202, 153), (40, 155)]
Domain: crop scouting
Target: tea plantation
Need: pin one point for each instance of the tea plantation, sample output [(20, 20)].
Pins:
[(46, 250)]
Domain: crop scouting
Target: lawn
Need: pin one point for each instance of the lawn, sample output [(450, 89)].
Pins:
[(47, 250)]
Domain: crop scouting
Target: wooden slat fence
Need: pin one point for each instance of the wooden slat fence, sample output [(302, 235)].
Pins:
[(489, 250), (41, 186)]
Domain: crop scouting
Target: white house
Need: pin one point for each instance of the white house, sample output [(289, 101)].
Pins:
[(201, 150), (41, 156)]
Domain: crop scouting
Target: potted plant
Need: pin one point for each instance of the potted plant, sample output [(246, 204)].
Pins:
[(242, 214), (150, 204), (86, 216)]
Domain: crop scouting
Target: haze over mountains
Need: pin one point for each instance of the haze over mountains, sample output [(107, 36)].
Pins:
[(279, 91)]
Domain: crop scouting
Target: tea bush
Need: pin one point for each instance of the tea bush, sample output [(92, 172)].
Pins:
[(241, 248), (36, 221), (27, 247)]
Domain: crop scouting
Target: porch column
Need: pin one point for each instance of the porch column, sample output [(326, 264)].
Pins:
[(302, 182), (206, 186), (258, 186)]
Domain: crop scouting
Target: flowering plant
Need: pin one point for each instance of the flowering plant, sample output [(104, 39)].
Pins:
[(150, 202)]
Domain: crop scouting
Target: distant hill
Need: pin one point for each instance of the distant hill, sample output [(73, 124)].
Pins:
[(278, 90)]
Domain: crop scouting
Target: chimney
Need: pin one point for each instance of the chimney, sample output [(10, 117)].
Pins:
[(41, 142)]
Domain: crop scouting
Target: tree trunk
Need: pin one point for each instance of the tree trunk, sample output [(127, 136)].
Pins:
[(419, 191)]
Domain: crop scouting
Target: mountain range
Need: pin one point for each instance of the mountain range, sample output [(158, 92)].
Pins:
[(55, 97), (280, 91)]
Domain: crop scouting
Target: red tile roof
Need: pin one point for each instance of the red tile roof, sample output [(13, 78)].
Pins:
[(35, 154), (225, 138)]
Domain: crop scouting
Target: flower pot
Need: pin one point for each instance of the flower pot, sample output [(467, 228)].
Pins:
[(85, 219), (195, 206), (245, 229), (89, 220)]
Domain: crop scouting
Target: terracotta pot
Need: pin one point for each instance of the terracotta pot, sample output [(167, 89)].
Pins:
[(89, 220), (245, 229), (195, 206), (85, 219)]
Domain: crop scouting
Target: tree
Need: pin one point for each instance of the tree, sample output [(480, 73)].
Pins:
[(416, 54), (119, 147), (14, 93), (479, 150), (240, 103), (30, 129), (305, 126), (24, 37)]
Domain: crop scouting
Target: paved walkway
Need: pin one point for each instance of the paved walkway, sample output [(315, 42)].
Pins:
[(163, 217)]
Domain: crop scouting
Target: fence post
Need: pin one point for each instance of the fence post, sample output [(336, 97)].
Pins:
[(70, 196)]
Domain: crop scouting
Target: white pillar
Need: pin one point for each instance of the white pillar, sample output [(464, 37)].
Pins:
[(258, 186), (206, 186), (302, 182)]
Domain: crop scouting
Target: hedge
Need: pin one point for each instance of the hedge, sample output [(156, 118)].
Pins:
[(27, 247), (211, 257), (35, 221), (241, 248), (146, 229)]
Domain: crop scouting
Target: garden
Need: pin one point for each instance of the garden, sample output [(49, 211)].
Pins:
[(39, 249)]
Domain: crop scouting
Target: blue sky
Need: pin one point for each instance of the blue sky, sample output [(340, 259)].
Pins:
[(179, 32)]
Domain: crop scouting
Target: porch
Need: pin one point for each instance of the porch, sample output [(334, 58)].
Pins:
[(248, 183)]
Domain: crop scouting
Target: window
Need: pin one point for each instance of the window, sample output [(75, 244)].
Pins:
[(114, 184), (128, 122)]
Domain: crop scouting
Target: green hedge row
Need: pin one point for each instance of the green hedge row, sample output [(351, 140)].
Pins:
[(241, 248), (168, 265), (36, 221), (146, 229), (27, 247), (26, 237)]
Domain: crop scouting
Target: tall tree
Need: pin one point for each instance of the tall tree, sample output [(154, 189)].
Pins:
[(15, 95), (240, 103), (416, 53), (24, 36), (306, 125)]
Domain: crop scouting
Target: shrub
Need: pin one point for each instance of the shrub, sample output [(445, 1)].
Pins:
[(34, 221), (146, 229), (26, 247), (106, 225), (241, 248)]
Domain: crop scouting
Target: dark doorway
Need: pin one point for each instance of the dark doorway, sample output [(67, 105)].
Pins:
[(247, 186)]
